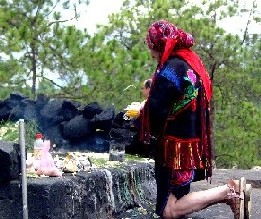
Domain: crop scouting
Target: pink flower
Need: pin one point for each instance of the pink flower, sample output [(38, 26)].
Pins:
[(192, 77)]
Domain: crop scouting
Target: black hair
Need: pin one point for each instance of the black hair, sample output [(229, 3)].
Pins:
[(147, 83)]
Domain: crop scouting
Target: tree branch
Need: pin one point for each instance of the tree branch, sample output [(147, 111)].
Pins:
[(55, 84), (248, 23), (60, 21)]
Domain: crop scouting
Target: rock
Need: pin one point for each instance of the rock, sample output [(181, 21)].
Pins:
[(25, 110), (11, 103), (51, 114), (17, 96), (41, 100), (91, 110), (10, 161), (55, 135), (98, 142), (69, 109), (104, 120), (118, 121), (120, 133), (29, 110), (77, 128), (256, 168), (4, 111)]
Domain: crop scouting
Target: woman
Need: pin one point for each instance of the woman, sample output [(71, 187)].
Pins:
[(176, 114)]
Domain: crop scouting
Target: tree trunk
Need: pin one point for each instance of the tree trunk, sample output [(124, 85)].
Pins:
[(33, 90)]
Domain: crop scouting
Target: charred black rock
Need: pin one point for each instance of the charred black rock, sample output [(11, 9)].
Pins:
[(10, 161)]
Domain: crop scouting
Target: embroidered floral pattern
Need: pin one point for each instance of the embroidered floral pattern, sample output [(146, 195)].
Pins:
[(172, 76), (190, 93), (191, 76)]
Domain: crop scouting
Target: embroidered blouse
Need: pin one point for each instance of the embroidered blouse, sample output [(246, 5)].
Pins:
[(175, 92)]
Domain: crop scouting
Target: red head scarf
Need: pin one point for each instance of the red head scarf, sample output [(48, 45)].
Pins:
[(166, 38)]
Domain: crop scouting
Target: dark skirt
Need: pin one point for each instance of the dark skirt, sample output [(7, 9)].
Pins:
[(165, 187)]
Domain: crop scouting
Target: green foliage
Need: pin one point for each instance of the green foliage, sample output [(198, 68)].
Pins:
[(237, 136), (9, 131), (35, 43), (31, 128), (110, 66)]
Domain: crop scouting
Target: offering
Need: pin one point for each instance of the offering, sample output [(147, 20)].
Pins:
[(133, 110)]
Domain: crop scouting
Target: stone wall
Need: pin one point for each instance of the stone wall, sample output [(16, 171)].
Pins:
[(10, 161), (97, 194)]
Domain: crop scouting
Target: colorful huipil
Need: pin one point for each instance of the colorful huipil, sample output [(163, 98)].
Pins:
[(178, 115)]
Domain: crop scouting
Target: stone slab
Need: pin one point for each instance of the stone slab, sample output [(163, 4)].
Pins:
[(97, 194), (125, 192)]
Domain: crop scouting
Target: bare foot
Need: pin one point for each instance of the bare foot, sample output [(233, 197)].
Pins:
[(233, 188), (235, 197)]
